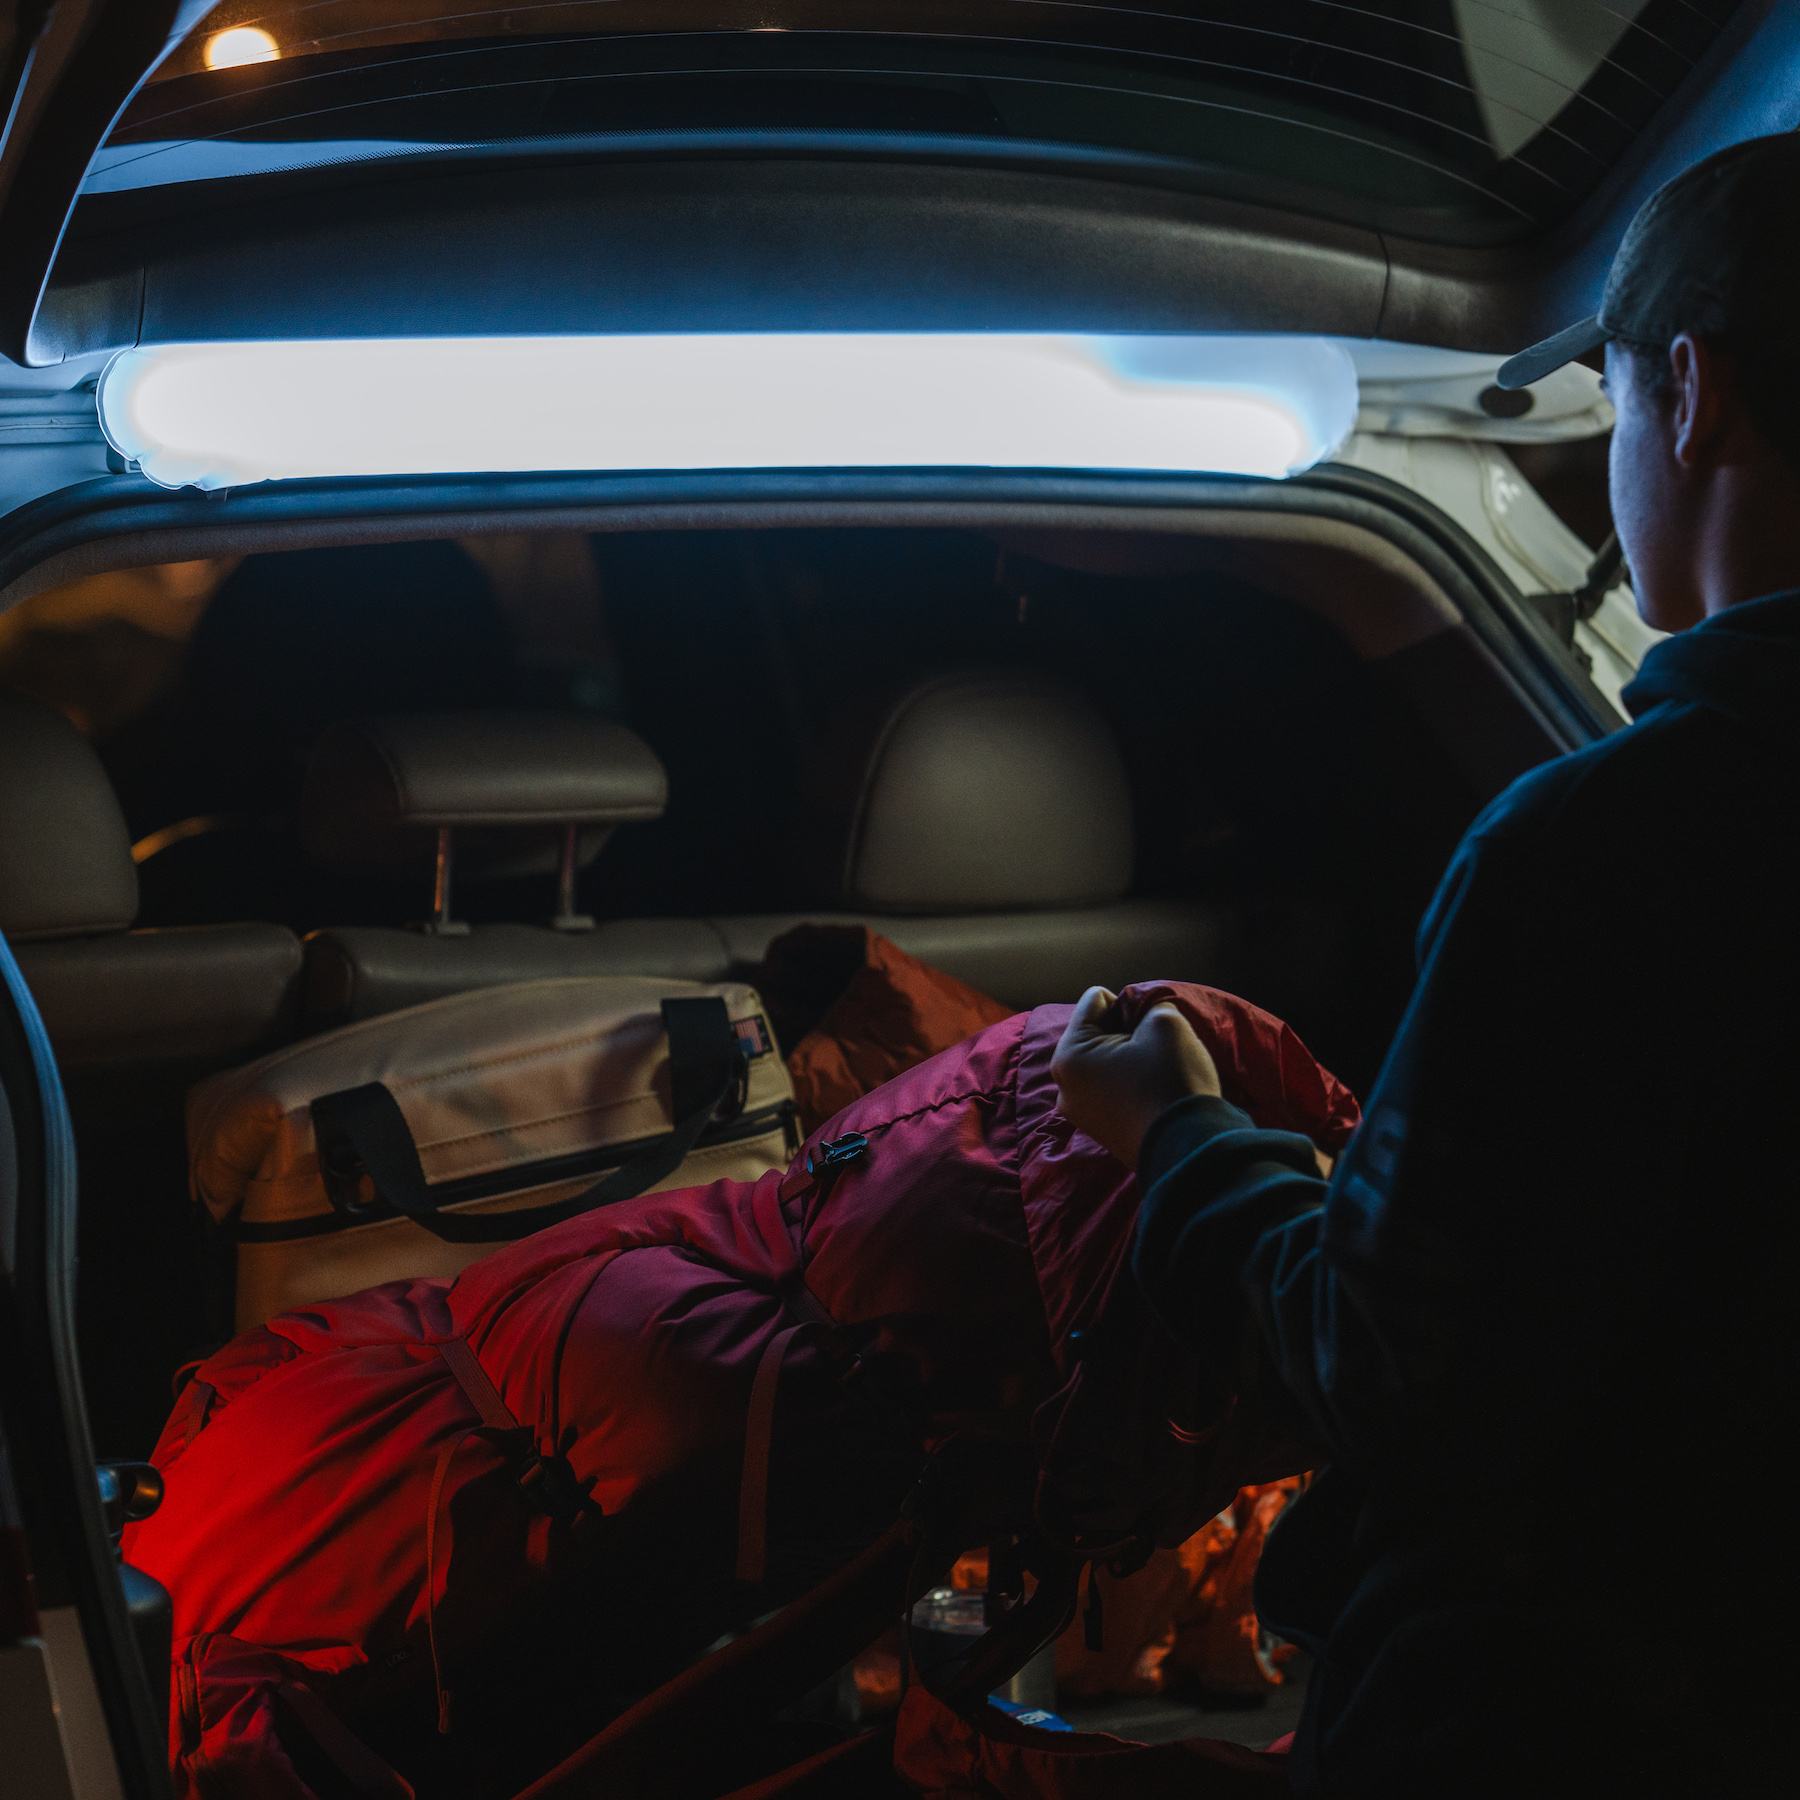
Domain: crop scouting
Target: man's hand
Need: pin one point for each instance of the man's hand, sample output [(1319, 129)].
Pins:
[(1115, 1083)]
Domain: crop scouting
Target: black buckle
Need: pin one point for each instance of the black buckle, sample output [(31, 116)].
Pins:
[(341, 1170), (549, 1484), (739, 1096), (835, 1153)]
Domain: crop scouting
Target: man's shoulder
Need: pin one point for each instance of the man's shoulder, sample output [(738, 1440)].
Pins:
[(1625, 830), (1620, 778)]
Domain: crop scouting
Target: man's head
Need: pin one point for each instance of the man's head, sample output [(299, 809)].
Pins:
[(1702, 338)]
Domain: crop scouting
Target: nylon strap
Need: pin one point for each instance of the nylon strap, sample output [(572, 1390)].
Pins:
[(473, 1379), (434, 1501), (495, 1415), (759, 1443), (193, 1404), (369, 1777), (796, 1299)]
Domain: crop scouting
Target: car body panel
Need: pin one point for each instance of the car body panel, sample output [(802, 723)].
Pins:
[(66, 77), (111, 1724), (849, 229)]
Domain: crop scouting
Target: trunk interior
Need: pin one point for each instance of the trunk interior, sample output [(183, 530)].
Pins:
[(1297, 716)]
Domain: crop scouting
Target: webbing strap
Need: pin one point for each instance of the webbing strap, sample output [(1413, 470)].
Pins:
[(434, 1502), (193, 1402), (472, 1378), (759, 1443), (495, 1415), (797, 1300), (370, 1778), (650, 1748)]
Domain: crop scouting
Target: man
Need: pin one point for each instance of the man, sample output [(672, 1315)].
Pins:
[(1544, 1320)]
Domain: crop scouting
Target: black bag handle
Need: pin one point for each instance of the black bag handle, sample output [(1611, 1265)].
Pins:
[(362, 1131)]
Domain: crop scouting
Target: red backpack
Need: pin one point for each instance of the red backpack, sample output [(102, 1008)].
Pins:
[(440, 1525)]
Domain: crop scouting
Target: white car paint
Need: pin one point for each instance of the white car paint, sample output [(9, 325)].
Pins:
[(1422, 425)]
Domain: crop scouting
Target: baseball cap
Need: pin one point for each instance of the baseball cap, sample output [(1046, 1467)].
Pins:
[(1710, 252)]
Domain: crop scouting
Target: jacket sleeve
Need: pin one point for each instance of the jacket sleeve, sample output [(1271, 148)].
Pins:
[(1411, 1300)]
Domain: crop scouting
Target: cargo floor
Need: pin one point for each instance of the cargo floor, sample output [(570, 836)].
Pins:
[(1161, 1718)]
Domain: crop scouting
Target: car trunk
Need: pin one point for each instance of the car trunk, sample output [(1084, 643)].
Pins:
[(1313, 685), (1311, 690)]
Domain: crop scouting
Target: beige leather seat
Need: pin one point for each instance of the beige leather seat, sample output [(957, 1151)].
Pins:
[(984, 822), (113, 998), (527, 797), (134, 1018)]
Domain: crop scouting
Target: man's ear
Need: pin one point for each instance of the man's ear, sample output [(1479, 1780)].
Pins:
[(1698, 412)]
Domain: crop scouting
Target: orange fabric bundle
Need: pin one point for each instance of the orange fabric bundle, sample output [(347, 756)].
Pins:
[(1218, 1641), (1138, 1631), (1188, 1617), (875, 1012)]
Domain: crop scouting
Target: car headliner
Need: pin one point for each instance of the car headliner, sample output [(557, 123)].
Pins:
[(1459, 120)]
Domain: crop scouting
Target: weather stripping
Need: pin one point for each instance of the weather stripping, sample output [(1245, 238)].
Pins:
[(219, 415)]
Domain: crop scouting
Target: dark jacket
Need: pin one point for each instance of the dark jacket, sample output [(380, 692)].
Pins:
[(1544, 1321)]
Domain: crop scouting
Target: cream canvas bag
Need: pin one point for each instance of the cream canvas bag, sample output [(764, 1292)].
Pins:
[(407, 1144)]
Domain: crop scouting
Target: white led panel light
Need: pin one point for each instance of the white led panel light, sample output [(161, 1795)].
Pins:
[(228, 414)]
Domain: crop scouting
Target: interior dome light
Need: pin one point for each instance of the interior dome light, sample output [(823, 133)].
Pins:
[(241, 45), (227, 414)]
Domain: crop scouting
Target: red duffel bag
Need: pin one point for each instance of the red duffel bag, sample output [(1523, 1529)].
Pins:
[(439, 1525)]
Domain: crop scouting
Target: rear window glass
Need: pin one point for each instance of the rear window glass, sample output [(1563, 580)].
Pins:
[(1455, 119)]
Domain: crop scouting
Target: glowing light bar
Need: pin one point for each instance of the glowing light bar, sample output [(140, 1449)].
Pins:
[(224, 415)]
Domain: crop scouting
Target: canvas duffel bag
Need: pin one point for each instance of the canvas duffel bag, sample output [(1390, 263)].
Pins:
[(409, 1144)]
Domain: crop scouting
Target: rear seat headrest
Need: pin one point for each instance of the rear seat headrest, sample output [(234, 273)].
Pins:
[(372, 781), (975, 792), (65, 852)]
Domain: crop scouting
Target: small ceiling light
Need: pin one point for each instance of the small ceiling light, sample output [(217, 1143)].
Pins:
[(241, 45)]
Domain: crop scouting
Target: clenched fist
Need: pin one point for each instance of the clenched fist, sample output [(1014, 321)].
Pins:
[(1115, 1083)]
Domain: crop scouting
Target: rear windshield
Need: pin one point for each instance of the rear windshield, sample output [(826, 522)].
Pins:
[(1453, 119)]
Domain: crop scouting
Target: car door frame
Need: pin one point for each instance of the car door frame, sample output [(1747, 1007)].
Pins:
[(70, 69), (70, 1614)]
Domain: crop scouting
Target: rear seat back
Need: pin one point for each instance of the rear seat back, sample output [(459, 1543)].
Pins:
[(959, 793), (114, 998), (358, 971), (482, 795), (134, 1018), (984, 822)]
